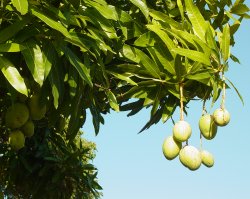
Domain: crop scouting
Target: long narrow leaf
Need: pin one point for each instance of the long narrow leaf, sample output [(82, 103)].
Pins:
[(163, 35), (33, 56), (163, 17), (50, 22), (162, 57), (112, 100), (241, 98), (11, 30), (105, 10), (225, 43), (196, 18), (142, 6), (149, 64), (13, 76), (138, 56), (78, 64), (194, 55), (124, 77)]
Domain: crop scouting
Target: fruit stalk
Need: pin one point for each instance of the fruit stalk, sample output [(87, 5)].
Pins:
[(204, 111), (181, 105), (200, 141), (223, 92), (181, 102)]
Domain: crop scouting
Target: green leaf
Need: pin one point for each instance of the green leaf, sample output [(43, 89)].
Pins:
[(112, 100), (78, 113), (72, 81), (180, 70), (215, 93), (130, 53), (225, 43), (157, 15), (125, 77), (33, 56), (96, 18), (239, 9), (180, 6), (163, 35), (241, 98), (14, 28), (161, 54), (21, 6), (153, 120), (210, 38), (11, 47), (56, 82), (169, 108), (194, 55), (156, 100), (194, 40), (235, 26), (196, 18), (50, 22), (145, 40), (142, 6), (201, 76), (49, 58), (105, 10), (149, 64), (234, 58), (77, 63), (13, 76), (97, 118), (138, 56)]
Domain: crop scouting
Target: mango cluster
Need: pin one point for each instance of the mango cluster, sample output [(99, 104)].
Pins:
[(20, 117), (190, 156)]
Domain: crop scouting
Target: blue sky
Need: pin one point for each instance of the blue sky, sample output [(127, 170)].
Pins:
[(132, 166)]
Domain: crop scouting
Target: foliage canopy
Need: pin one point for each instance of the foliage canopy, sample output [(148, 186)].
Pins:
[(97, 55)]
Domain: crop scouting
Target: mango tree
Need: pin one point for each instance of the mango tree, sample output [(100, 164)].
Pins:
[(61, 58)]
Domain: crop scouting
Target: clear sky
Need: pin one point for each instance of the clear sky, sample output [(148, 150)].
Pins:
[(132, 166)]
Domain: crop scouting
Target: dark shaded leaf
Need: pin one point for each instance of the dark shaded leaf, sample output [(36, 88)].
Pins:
[(77, 63), (241, 98), (12, 29)]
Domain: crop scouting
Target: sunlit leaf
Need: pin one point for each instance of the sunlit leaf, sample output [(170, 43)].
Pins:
[(196, 18), (225, 43), (33, 56), (142, 6), (163, 17), (138, 56), (163, 35), (194, 55), (13, 76), (11, 47), (112, 100), (21, 6), (125, 77), (50, 22)]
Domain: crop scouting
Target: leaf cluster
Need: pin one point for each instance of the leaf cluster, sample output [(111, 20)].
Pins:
[(103, 55), (49, 167)]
